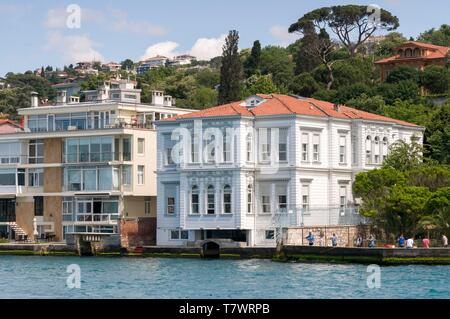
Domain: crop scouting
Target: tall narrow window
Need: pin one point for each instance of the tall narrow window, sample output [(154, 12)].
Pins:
[(227, 199), (249, 199), (342, 149), (140, 174), (170, 205), (35, 152), (227, 148), (305, 147), (195, 200), (384, 146), (35, 177), (342, 200), (265, 201), (211, 200), (38, 206), (148, 207), (249, 142), (265, 137), (376, 150), (316, 148), (368, 150), (169, 158), (282, 145), (305, 198), (194, 149), (141, 146)]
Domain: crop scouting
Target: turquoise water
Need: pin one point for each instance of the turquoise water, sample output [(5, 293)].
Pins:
[(45, 277)]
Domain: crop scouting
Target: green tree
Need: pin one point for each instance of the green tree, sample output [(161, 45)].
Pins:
[(402, 73), (259, 84), (253, 62), (278, 62), (435, 79), (386, 47), (373, 104), (438, 134), (352, 24), (431, 176), (404, 156), (440, 36), (407, 90), (202, 97), (304, 85), (231, 70), (127, 64)]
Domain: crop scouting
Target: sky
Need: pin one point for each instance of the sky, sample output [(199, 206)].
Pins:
[(47, 32)]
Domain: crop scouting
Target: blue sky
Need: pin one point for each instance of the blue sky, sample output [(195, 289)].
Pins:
[(34, 33)]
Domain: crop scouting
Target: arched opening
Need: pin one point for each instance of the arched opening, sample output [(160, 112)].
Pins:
[(210, 249), (408, 53)]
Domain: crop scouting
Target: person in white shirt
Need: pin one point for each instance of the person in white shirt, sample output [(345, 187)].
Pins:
[(444, 241), (410, 243)]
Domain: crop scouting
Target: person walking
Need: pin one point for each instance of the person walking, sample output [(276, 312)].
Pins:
[(425, 242), (401, 241), (310, 238), (444, 241), (334, 240)]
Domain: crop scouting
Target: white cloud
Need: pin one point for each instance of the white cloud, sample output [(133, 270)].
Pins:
[(208, 48), (203, 48), (73, 48), (57, 18), (123, 24), (166, 49), (282, 34)]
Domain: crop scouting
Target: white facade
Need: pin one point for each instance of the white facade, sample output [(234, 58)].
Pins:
[(277, 171)]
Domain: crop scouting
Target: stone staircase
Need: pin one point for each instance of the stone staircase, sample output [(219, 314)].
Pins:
[(20, 233)]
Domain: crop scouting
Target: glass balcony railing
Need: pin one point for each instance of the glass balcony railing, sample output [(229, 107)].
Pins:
[(94, 157)]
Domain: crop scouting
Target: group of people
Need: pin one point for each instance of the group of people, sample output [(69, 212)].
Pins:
[(409, 242), (311, 239), (371, 241)]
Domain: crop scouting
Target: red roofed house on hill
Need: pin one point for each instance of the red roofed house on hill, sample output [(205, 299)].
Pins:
[(414, 54), (251, 168)]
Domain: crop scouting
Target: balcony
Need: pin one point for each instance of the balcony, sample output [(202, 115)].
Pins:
[(95, 157)]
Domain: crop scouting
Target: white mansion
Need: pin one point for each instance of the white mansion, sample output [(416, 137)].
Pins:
[(240, 172)]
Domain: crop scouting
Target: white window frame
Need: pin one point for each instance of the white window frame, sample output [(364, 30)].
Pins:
[(170, 205), (141, 143), (195, 191), (227, 191), (305, 147), (210, 205), (342, 149), (141, 175)]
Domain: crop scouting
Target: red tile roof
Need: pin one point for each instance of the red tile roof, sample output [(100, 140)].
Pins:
[(278, 104), (437, 52)]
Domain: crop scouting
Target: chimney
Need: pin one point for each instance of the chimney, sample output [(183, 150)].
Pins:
[(167, 100), (61, 97), (158, 98), (337, 107), (34, 99)]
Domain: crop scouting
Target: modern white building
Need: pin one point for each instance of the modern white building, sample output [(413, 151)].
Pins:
[(81, 167), (239, 173)]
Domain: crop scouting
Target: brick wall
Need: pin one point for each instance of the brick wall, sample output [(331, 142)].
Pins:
[(138, 232)]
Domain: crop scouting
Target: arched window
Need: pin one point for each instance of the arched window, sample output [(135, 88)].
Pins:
[(416, 52), (249, 199), (384, 148), (227, 199), (408, 53), (376, 150), (369, 150), (249, 144), (211, 200), (195, 200), (400, 53)]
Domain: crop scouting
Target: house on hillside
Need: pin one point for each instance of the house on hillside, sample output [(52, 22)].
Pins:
[(414, 54), (151, 63)]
